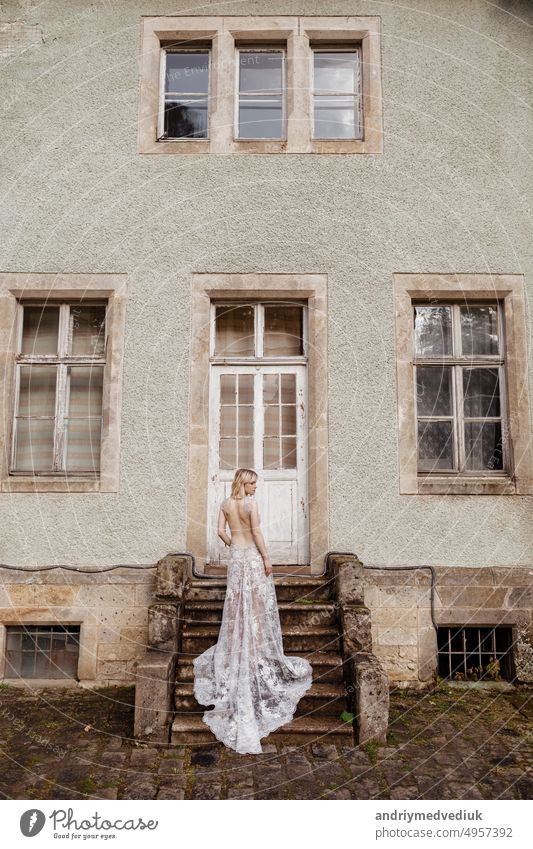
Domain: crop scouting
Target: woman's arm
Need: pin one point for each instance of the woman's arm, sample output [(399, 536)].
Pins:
[(258, 537), (222, 527)]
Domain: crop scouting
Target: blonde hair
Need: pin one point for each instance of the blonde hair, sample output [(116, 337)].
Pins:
[(241, 477)]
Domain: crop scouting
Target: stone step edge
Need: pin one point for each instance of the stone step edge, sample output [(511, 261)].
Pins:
[(317, 690), (300, 724)]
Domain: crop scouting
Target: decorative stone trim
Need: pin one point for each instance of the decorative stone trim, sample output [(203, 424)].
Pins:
[(223, 33), (509, 288), (113, 288)]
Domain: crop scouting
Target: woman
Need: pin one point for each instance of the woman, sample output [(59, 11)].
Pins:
[(253, 686)]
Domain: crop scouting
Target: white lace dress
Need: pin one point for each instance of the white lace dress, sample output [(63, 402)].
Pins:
[(253, 686)]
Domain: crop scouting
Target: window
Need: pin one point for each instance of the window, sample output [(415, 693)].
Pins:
[(61, 390), (42, 651), (460, 387), (259, 330), (336, 94), (463, 406), (184, 109), (59, 382), (475, 654), (260, 85)]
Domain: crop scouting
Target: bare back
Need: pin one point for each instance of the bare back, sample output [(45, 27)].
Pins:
[(238, 516)]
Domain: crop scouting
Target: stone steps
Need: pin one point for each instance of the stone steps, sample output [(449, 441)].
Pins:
[(324, 699), (287, 589), (327, 667), (196, 639), (309, 628), (189, 729), (291, 612)]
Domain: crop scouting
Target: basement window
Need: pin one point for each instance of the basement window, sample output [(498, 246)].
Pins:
[(42, 651), (475, 654)]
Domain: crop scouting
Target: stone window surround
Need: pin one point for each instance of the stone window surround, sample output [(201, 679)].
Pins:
[(224, 33), (207, 288), (87, 658), (26, 286), (509, 288)]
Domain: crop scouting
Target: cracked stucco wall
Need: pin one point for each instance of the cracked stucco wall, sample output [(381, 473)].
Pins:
[(451, 193)]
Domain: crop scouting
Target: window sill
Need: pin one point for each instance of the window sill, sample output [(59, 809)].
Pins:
[(53, 484), (462, 485)]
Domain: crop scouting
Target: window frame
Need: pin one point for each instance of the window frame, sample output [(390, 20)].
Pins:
[(337, 47), (476, 288), (48, 288), (162, 93), (62, 361), (259, 330), (228, 32), (458, 362), (263, 48)]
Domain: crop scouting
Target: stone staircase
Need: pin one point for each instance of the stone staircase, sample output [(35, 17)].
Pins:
[(323, 619), (310, 629)]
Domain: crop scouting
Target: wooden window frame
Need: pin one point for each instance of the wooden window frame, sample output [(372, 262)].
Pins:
[(62, 361), (457, 362), (337, 47), (162, 93), (263, 48), (16, 287), (508, 289), (259, 330), (226, 34)]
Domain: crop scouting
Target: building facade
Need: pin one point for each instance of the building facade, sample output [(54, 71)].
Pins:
[(294, 237)]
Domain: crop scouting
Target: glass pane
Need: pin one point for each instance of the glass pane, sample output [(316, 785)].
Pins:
[(288, 452), (479, 330), (433, 331), (435, 446), (271, 453), (483, 446), (288, 420), (35, 445), (85, 391), (246, 421), (481, 390), (39, 330), (187, 73), (271, 389), (87, 331), (260, 117), (185, 117), (83, 444), (288, 388), (228, 421), (283, 331), (434, 391), (228, 391), (37, 395), (246, 389), (228, 453), (260, 71), (335, 117), (234, 334), (246, 452), (272, 420), (335, 71)]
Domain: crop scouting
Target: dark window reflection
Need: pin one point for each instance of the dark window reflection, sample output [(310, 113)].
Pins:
[(186, 94)]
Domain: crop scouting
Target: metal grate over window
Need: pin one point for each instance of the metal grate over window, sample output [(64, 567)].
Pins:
[(42, 651), (475, 654)]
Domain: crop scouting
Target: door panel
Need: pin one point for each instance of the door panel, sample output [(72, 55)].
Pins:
[(258, 420)]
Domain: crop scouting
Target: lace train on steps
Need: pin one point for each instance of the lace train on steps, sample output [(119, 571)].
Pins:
[(253, 686)]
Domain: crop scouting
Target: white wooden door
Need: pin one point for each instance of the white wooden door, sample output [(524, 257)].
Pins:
[(259, 421)]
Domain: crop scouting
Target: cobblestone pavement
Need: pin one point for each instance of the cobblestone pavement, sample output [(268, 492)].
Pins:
[(443, 744)]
